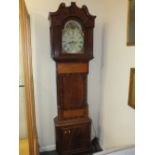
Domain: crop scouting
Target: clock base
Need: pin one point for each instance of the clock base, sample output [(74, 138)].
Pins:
[(73, 136)]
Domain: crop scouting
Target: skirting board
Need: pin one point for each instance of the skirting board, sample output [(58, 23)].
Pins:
[(47, 148)]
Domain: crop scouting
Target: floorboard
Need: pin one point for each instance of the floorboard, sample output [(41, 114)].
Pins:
[(23, 147)]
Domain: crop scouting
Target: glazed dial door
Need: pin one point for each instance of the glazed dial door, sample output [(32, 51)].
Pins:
[(72, 38)]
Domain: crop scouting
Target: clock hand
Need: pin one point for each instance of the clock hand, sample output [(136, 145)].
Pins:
[(71, 42)]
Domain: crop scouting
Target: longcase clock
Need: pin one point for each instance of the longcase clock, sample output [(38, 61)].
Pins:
[(71, 33)]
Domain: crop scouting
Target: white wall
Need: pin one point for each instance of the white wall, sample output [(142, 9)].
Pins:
[(108, 76), (44, 82), (44, 68), (117, 118)]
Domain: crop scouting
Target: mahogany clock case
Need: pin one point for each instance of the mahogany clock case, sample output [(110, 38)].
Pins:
[(72, 125)]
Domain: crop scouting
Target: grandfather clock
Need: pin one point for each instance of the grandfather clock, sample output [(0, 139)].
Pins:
[(71, 33)]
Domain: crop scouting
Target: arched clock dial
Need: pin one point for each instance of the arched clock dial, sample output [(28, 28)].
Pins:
[(72, 38)]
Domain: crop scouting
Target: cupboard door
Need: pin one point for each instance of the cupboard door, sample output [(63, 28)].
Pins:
[(75, 138)]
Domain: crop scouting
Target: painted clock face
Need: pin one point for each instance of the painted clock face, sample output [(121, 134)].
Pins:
[(72, 38)]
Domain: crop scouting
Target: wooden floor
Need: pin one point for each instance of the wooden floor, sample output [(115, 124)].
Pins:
[(23, 147)]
